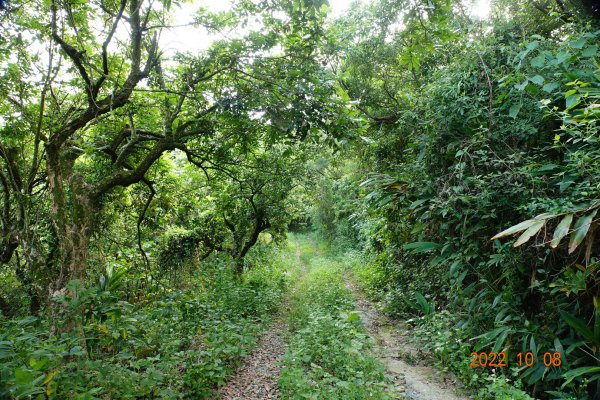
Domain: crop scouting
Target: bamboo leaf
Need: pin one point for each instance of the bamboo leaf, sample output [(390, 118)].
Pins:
[(578, 325), (561, 230), (537, 375), (411, 304), (425, 306), (580, 230), (500, 341), (421, 247), (515, 229), (532, 345), (559, 347), (577, 372), (544, 216), (532, 230), (524, 225)]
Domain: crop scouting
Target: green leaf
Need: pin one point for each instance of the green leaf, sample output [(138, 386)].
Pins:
[(550, 87), (537, 79), (23, 377), (572, 101), (532, 45), (514, 229), (522, 85), (77, 350), (561, 230), (489, 336), (538, 62), (580, 230), (37, 365), (514, 110), (578, 325), (537, 375), (500, 341), (577, 372), (425, 306), (26, 321), (421, 247), (544, 216), (579, 43), (547, 167), (565, 183), (6, 349), (562, 56), (590, 51), (559, 347), (353, 316), (417, 203), (411, 304), (556, 139), (532, 230)]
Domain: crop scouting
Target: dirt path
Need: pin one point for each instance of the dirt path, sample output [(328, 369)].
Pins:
[(418, 381), (257, 379)]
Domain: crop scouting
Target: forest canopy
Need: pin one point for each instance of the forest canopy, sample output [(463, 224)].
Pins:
[(147, 192)]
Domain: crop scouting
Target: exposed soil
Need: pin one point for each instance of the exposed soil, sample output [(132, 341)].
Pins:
[(257, 379), (405, 365)]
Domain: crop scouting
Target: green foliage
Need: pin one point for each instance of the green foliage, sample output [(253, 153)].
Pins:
[(142, 194), (494, 131), (438, 333), (421, 305), (569, 94), (329, 354), (333, 201), (183, 344)]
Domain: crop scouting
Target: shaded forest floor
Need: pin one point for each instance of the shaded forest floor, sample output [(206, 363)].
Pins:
[(406, 370)]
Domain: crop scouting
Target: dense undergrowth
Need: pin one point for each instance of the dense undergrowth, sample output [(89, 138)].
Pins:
[(329, 355), (136, 184), (496, 126), (182, 344)]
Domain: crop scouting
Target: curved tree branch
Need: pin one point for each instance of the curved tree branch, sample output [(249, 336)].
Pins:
[(141, 218)]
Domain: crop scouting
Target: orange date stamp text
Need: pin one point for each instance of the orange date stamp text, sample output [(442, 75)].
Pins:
[(493, 359)]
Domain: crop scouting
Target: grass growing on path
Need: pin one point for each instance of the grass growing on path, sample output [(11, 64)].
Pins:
[(329, 354)]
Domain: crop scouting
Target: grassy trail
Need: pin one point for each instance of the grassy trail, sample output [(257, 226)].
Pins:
[(330, 355), (329, 342), (343, 348)]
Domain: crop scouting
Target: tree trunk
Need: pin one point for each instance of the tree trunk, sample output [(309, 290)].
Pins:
[(242, 245), (24, 274), (239, 266), (72, 216)]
